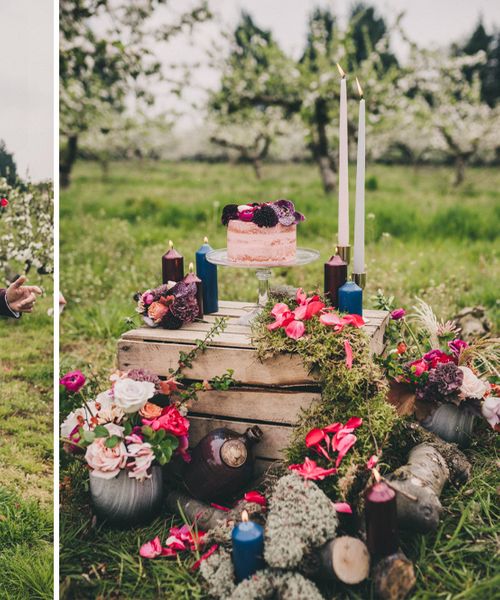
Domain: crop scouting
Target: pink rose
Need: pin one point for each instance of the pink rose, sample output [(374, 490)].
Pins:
[(106, 462), (73, 381), (420, 366), (142, 456), (171, 420)]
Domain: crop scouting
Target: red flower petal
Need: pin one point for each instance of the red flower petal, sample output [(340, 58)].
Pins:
[(255, 497), (295, 330), (313, 308), (279, 309), (219, 507), (300, 312), (348, 354), (204, 556), (354, 320), (301, 296), (345, 444), (315, 436), (310, 470), (342, 507), (333, 428), (354, 422), (151, 549), (331, 320), (372, 461)]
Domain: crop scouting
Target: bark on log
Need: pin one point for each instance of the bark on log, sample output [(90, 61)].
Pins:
[(421, 481), (205, 516), (344, 558), (393, 577)]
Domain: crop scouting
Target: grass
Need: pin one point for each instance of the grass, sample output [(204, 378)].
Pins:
[(424, 238), (26, 452)]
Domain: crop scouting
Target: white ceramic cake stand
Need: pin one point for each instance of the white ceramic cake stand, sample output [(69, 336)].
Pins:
[(303, 256)]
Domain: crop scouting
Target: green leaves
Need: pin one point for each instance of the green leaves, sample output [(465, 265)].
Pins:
[(112, 441), (164, 445), (101, 431)]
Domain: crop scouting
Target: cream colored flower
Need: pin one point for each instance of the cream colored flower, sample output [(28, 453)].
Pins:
[(472, 386), (131, 395)]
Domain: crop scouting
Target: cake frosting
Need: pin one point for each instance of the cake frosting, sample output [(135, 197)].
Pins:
[(263, 233)]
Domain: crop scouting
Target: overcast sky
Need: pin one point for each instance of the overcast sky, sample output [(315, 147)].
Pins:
[(26, 76), (431, 23)]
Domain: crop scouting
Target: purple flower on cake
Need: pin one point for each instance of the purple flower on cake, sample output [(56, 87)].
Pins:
[(262, 214), (286, 213)]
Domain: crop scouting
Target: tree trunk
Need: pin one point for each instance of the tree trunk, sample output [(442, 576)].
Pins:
[(320, 148), (460, 162), (257, 167), (394, 577), (67, 161), (345, 559), (205, 516)]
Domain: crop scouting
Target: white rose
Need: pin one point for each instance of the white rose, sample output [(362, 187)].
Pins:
[(131, 395), (106, 462), (472, 386), (491, 410)]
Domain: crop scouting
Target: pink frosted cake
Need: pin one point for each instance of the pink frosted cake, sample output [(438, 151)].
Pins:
[(261, 233)]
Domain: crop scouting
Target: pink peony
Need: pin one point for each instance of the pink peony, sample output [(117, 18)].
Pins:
[(171, 420), (73, 381), (398, 314), (105, 462)]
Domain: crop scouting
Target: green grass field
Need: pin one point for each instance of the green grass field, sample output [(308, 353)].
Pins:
[(425, 239), (26, 452)]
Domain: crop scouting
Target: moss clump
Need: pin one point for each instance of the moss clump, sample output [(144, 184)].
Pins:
[(300, 518), (357, 391), (218, 572)]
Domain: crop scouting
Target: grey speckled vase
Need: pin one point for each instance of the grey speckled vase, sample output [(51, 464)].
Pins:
[(452, 424), (125, 501)]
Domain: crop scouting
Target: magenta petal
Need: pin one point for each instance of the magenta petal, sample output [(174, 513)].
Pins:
[(295, 330), (279, 309), (301, 296), (345, 444), (151, 549), (348, 354), (354, 422), (300, 312), (343, 507)]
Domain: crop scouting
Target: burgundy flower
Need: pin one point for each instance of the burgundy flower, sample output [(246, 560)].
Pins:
[(434, 357), (457, 346), (73, 381), (398, 314)]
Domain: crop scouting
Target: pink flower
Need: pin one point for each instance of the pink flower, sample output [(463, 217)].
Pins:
[(182, 448), (398, 314), (434, 357), (171, 420), (255, 497), (342, 507), (348, 354), (246, 215), (354, 320), (457, 346), (204, 556), (419, 367), (106, 462), (4, 202), (73, 381), (310, 470), (490, 410), (148, 298), (295, 330), (151, 549), (372, 461), (343, 446), (143, 456)]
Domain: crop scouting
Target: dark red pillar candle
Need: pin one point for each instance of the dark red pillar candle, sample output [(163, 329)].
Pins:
[(335, 277), (172, 265), (191, 277), (381, 520)]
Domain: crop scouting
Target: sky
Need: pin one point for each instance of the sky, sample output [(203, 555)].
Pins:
[(430, 23), (26, 76)]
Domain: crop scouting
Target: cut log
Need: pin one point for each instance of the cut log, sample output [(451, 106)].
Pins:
[(420, 482), (206, 517), (393, 577), (344, 558)]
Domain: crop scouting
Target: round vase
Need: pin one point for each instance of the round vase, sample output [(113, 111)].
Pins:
[(452, 424), (126, 501)]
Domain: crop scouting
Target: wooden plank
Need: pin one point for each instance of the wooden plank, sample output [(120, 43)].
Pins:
[(259, 404), (377, 338), (276, 437), (189, 336), (285, 369)]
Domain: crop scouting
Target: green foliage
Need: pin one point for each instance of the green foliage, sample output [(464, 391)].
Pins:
[(8, 167), (356, 392)]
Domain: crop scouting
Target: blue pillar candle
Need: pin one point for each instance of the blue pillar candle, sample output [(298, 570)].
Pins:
[(248, 548), (207, 272), (351, 299)]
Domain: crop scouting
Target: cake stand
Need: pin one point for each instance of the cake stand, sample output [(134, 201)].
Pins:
[(263, 271)]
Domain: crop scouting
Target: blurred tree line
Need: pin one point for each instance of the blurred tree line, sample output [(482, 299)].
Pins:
[(436, 106)]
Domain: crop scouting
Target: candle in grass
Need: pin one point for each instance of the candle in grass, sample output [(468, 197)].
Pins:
[(172, 263), (381, 519), (343, 225), (248, 548), (359, 215), (191, 277), (207, 272)]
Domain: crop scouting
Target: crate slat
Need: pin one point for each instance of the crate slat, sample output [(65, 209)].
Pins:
[(263, 404), (274, 440)]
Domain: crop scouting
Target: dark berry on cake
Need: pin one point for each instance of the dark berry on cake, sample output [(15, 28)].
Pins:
[(230, 211), (265, 216)]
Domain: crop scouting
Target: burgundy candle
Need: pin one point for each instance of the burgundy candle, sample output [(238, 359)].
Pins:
[(172, 265), (335, 277), (192, 278), (381, 520)]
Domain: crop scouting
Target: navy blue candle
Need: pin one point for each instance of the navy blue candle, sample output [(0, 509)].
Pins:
[(351, 298), (248, 548), (207, 272)]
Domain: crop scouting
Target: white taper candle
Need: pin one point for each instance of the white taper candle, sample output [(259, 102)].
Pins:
[(359, 216), (343, 232)]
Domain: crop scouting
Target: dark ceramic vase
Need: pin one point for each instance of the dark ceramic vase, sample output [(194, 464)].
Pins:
[(221, 464), (452, 424), (125, 501)]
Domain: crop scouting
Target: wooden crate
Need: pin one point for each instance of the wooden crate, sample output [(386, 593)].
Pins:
[(269, 394)]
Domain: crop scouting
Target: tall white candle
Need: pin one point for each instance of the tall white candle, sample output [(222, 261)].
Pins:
[(343, 233), (359, 217)]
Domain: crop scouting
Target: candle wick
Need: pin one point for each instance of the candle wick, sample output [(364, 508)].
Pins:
[(205, 240), (171, 244)]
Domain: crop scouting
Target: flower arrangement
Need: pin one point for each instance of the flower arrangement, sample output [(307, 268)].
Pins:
[(123, 428), (266, 214), (169, 305), (428, 357)]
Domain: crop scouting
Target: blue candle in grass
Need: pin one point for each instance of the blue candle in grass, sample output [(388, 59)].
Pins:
[(351, 298), (248, 548), (207, 272)]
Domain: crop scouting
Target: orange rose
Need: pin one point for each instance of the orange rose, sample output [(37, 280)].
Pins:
[(150, 411), (157, 311)]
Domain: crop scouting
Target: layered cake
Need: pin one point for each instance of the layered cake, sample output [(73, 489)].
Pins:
[(261, 233)]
